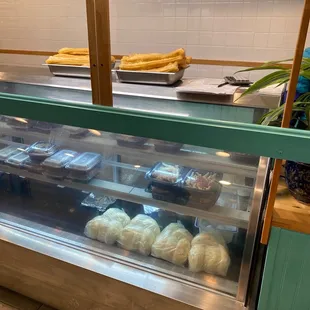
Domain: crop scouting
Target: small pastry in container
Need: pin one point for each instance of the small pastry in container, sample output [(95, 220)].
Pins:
[(8, 152), (84, 167), (203, 188), (130, 141), (17, 160), (54, 166), (167, 147), (41, 150)]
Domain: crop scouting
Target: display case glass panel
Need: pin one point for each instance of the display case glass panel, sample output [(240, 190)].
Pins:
[(180, 210)]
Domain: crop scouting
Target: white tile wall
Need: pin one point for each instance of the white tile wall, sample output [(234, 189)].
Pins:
[(254, 30)]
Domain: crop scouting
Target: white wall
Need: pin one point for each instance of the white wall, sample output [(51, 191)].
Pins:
[(254, 30)]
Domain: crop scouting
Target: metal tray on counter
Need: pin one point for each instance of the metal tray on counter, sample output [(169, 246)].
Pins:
[(155, 78), (71, 71)]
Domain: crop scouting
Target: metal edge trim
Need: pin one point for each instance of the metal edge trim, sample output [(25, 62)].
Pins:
[(87, 260), (252, 229)]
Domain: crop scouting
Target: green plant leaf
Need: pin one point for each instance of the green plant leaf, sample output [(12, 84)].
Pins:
[(277, 77), (271, 65), (304, 98)]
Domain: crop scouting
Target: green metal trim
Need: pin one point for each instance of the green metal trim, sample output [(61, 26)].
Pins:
[(238, 137)]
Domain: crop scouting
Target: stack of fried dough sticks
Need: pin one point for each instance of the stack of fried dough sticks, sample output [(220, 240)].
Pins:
[(72, 57), (171, 62)]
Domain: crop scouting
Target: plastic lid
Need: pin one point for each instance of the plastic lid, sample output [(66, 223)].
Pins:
[(8, 151), (166, 173), (60, 159), (42, 148), (18, 159), (85, 161)]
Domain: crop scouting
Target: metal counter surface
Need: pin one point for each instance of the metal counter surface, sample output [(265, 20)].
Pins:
[(43, 78)]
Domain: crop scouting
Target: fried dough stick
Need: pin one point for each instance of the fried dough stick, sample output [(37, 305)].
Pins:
[(152, 57), (74, 60), (172, 67), (74, 51), (148, 65)]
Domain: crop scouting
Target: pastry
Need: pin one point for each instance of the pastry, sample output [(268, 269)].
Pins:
[(74, 51), (153, 64), (151, 57), (172, 67)]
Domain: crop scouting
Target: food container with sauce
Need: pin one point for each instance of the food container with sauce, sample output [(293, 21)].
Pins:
[(203, 188), (8, 152), (17, 160), (54, 166), (84, 167), (165, 173), (41, 150), (129, 141)]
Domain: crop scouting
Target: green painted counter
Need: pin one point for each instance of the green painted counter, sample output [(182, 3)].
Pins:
[(286, 279)]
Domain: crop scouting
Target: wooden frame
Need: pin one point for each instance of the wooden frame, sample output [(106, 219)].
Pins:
[(287, 117)]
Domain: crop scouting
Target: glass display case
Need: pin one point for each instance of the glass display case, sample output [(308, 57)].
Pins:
[(177, 210)]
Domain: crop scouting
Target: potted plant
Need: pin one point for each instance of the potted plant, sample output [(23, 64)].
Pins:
[(297, 174)]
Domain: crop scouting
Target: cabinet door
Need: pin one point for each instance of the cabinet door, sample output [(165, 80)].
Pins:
[(286, 279)]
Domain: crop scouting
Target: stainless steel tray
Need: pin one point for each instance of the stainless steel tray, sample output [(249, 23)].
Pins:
[(155, 78), (71, 71)]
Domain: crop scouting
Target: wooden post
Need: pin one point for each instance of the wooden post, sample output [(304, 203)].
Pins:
[(287, 116), (98, 22)]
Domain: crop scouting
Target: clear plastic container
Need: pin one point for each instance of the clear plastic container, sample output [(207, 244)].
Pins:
[(19, 123), (76, 132), (98, 202), (44, 127), (84, 167), (167, 147), (32, 166), (41, 150), (130, 141), (8, 152), (54, 166), (164, 173), (18, 159), (203, 188)]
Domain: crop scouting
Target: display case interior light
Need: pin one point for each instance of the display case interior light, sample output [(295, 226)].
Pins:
[(22, 120), (137, 166), (95, 132), (222, 154), (223, 182)]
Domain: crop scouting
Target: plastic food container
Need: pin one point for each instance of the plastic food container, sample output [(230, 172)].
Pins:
[(168, 193), (54, 166), (202, 187), (244, 158), (32, 166), (98, 202), (167, 174), (84, 167), (18, 159), (41, 150), (44, 127), (167, 147), (19, 123), (76, 132), (8, 152), (130, 141)]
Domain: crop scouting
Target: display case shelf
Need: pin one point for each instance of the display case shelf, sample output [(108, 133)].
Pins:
[(105, 143), (225, 215)]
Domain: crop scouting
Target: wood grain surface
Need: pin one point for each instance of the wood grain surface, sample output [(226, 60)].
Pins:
[(67, 287)]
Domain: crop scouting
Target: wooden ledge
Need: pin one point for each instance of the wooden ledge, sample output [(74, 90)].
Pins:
[(289, 213)]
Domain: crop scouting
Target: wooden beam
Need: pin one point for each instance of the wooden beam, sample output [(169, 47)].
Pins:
[(287, 116), (98, 21)]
